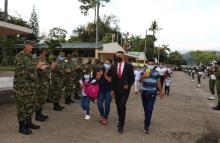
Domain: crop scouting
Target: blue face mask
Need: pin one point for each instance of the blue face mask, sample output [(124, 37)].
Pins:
[(107, 66), (61, 58), (150, 67)]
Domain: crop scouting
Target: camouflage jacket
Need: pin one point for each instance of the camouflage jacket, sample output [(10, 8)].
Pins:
[(26, 72), (44, 75), (57, 73), (218, 74)]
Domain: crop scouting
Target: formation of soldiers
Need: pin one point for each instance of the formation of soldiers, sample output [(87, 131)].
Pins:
[(212, 71), (42, 79)]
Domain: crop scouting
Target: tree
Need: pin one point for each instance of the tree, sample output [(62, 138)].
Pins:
[(57, 34), (176, 58), (154, 27), (34, 25), (204, 57)]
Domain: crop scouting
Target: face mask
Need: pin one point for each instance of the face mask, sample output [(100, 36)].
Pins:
[(86, 76), (61, 58), (150, 67), (107, 66)]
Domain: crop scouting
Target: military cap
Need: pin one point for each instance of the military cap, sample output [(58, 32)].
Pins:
[(28, 42), (62, 54), (51, 58)]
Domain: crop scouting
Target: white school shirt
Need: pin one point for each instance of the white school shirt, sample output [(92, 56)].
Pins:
[(168, 82), (137, 74), (161, 71)]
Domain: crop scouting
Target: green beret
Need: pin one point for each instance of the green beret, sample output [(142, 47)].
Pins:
[(51, 58), (62, 54)]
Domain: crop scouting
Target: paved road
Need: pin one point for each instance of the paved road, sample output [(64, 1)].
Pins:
[(183, 117)]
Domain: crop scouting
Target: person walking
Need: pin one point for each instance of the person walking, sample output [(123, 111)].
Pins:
[(151, 82), (122, 80), (25, 85), (137, 73), (168, 82), (212, 82), (104, 98)]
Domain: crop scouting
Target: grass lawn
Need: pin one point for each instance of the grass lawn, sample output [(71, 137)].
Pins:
[(7, 68)]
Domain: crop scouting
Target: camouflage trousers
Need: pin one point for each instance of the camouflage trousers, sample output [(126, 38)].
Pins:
[(25, 102), (218, 90), (56, 91), (199, 78), (42, 95), (212, 86), (68, 90)]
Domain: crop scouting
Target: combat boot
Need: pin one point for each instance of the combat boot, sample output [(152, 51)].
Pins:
[(30, 125), (216, 107), (67, 101), (44, 116), (39, 117), (23, 129), (56, 107)]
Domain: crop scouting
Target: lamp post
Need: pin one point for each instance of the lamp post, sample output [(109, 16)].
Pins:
[(97, 22), (6, 11)]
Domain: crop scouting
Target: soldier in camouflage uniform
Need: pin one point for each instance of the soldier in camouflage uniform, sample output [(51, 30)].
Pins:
[(212, 81), (68, 79), (44, 71), (218, 85), (25, 82), (78, 75), (57, 81)]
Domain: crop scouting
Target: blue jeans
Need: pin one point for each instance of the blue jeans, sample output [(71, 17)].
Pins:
[(104, 97), (148, 104), (85, 102)]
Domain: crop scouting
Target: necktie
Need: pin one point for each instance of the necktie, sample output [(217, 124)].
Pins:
[(119, 71)]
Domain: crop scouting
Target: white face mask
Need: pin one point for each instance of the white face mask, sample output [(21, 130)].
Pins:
[(86, 76)]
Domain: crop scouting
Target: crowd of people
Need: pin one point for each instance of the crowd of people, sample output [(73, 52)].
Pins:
[(46, 78), (210, 71)]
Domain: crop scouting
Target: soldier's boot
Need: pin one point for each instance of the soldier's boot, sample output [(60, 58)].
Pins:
[(23, 129), (76, 96), (44, 116), (39, 117), (56, 107), (30, 125), (67, 101), (216, 107)]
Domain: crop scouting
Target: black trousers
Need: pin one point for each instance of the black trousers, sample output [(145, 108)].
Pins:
[(121, 100), (167, 90)]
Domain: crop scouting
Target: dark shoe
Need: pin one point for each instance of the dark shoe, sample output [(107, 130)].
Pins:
[(23, 129), (146, 130), (56, 107), (30, 125), (120, 129), (216, 107), (44, 116), (67, 101), (39, 117)]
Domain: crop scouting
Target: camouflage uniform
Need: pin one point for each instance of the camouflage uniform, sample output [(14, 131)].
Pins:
[(57, 82), (68, 81), (218, 84), (44, 85), (212, 82), (25, 83)]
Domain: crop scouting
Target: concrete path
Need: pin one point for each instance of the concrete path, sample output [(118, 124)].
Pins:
[(183, 117)]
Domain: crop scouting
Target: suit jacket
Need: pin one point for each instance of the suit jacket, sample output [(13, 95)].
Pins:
[(127, 78)]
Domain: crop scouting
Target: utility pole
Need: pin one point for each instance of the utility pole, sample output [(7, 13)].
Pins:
[(97, 22), (6, 11), (145, 48), (158, 55)]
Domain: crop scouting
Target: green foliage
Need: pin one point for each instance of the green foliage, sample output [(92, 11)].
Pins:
[(108, 38), (203, 57), (176, 58), (154, 27), (34, 25), (57, 34)]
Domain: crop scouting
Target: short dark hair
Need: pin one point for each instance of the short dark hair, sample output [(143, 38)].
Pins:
[(120, 52), (151, 60)]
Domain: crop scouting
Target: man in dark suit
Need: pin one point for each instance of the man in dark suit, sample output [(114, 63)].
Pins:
[(122, 81)]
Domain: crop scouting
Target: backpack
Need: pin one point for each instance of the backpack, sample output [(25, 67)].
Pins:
[(92, 90)]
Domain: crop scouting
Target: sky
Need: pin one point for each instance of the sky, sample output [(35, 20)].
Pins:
[(186, 24)]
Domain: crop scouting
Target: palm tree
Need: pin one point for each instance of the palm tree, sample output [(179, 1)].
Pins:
[(154, 27)]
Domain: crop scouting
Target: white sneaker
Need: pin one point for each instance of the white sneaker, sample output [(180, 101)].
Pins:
[(211, 97), (198, 85), (192, 80), (87, 117)]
